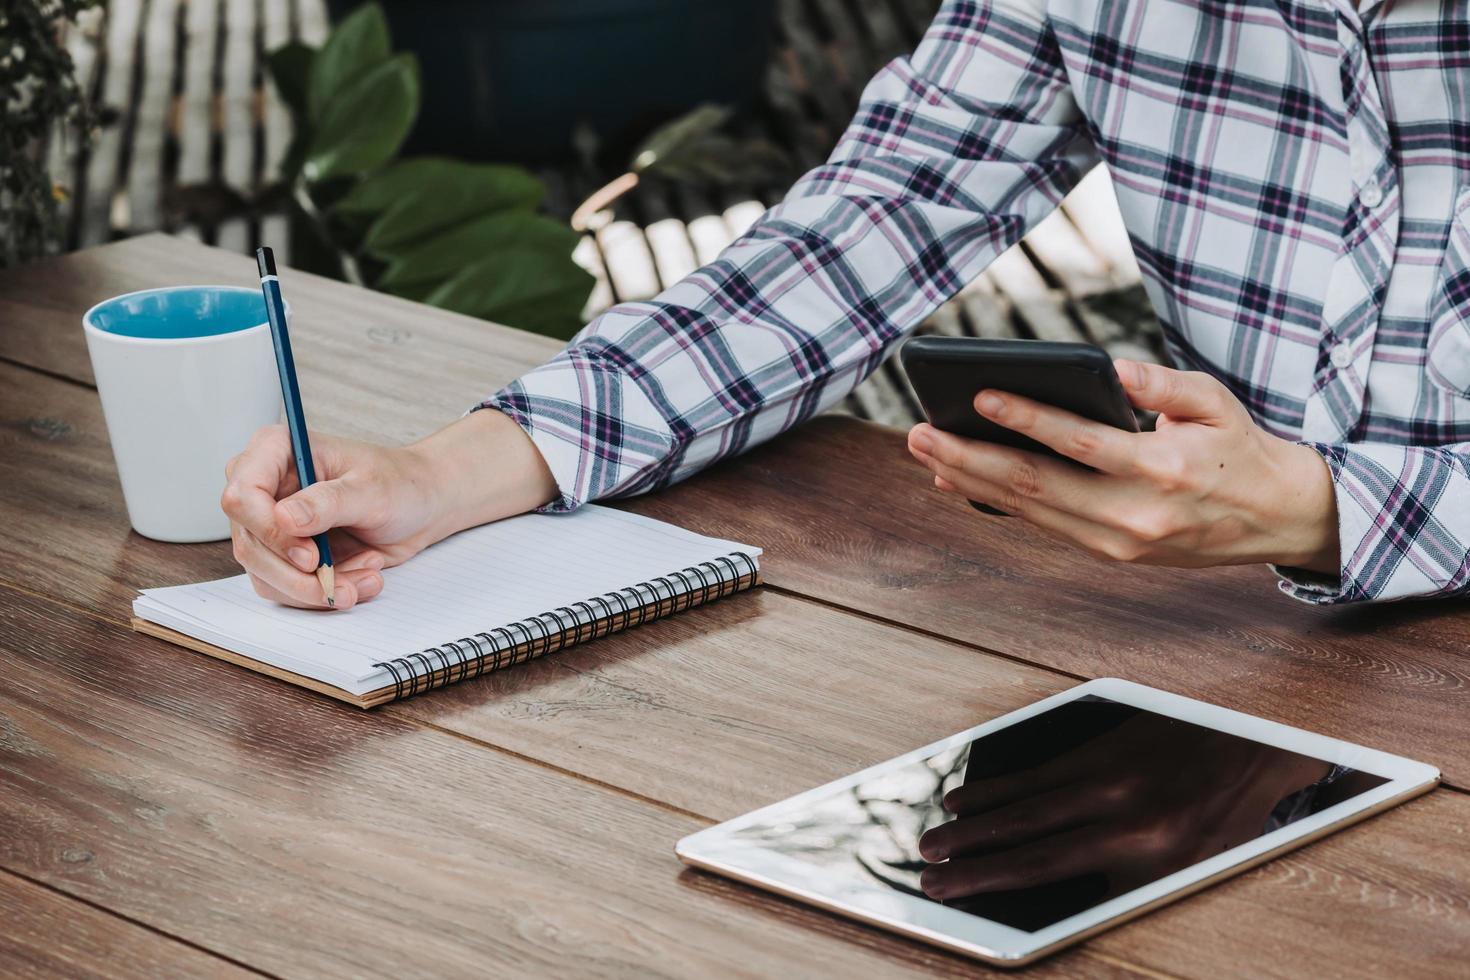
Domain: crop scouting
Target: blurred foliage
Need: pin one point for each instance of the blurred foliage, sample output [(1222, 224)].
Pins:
[(695, 149), (41, 99), (465, 237), (692, 149)]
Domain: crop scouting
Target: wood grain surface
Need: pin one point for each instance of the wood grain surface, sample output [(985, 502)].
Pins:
[(44, 934), (225, 808), (371, 366), (304, 837), (846, 517)]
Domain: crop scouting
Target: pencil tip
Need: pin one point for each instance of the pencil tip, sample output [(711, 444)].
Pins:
[(327, 576)]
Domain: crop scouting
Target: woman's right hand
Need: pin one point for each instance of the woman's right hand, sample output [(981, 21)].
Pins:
[(380, 505)]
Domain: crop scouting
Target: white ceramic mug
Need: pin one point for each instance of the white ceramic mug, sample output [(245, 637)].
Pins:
[(186, 375)]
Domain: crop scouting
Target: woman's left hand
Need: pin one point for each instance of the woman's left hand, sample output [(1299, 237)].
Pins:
[(1206, 487)]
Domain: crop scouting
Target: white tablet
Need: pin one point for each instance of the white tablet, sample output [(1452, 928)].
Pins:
[(1033, 831)]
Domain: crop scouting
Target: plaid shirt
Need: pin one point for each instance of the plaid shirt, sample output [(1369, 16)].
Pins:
[(1295, 175)]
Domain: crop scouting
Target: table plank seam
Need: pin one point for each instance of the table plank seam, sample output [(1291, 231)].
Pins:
[(64, 603), (552, 767), (47, 373), (910, 628), (590, 780), (123, 917), (402, 715), (966, 644)]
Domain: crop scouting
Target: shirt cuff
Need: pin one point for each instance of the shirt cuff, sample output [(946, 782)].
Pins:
[(599, 432), (1403, 524), (1352, 526)]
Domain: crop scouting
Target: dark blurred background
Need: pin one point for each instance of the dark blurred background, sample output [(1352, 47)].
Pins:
[(190, 130)]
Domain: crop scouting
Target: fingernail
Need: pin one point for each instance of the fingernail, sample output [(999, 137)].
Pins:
[(930, 882), (1127, 372), (375, 563), (932, 848), (370, 586), (302, 558), (299, 512), (922, 441), (991, 405)]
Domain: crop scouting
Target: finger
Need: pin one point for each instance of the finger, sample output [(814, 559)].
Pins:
[(368, 558), (367, 585), (266, 462), (344, 597), (1016, 823), (323, 506), (292, 585), (1178, 394), (1039, 862), (253, 510), (1090, 443), (255, 479), (368, 582), (945, 485), (1027, 475), (1022, 498), (996, 792)]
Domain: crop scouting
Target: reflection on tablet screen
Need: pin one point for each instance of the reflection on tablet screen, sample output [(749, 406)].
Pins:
[(1049, 817)]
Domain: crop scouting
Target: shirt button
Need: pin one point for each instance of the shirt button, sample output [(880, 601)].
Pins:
[(1371, 194), (1341, 356)]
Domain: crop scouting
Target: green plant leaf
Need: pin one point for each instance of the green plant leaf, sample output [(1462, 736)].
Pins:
[(724, 160), (365, 125), (380, 190), (290, 69), (415, 198), (692, 148), (443, 256), (356, 46), (675, 137), (526, 288)]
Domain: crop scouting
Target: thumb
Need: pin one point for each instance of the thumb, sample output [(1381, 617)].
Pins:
[(323, 506), (1176, 394)]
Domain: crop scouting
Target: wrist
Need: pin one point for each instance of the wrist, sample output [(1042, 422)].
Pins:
[(1308, 511), (480, 468)]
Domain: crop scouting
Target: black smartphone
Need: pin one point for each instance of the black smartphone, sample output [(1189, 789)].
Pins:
[(948, 372)]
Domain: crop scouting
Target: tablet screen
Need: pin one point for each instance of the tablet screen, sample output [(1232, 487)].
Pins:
[(1046, 818)]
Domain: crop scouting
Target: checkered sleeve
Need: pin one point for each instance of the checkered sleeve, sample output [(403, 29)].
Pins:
[(953, 153), (1403, 524)]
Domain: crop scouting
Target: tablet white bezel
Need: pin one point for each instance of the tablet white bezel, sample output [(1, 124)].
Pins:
[(720, 849)]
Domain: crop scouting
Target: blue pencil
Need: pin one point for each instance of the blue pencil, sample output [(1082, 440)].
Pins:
[(275, 311)]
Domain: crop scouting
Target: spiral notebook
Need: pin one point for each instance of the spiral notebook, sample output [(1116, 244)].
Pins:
[(482, 600)]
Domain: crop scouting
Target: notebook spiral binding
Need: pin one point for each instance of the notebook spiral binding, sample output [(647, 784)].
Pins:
[(547, 632)]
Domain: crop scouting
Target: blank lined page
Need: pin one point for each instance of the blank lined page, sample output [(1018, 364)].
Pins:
[(487, 577)]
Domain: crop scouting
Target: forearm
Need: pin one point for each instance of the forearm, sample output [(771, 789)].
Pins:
[(1304, 513), (952, 155), (480, 468)]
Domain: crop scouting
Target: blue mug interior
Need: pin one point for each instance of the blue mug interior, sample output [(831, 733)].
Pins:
[(181, 313)]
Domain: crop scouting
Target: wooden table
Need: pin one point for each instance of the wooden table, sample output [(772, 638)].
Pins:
[(163, 813)]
